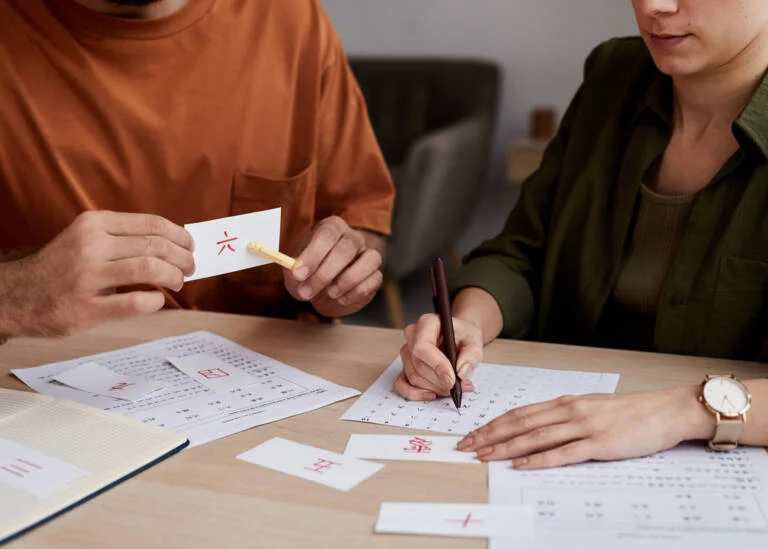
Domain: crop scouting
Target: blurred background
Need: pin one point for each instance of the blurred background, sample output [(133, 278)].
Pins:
[(463, 96)]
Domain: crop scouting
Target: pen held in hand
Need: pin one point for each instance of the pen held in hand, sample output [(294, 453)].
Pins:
[(266, 252), (442, 304)]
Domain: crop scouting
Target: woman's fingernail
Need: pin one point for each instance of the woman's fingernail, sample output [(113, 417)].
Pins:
[(343, 300), (484, 452), (520, 462), (301, 273), (333, 292), (466, 442), (464, 370)]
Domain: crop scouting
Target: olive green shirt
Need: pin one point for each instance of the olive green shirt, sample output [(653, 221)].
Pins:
[(556, 262)]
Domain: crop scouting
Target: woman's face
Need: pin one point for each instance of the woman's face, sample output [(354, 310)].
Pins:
[(690, 37)]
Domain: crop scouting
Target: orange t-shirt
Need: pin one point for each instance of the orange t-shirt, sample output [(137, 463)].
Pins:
[(223, 108)]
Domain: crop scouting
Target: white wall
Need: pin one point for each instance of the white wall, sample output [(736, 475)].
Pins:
[(541, 44)]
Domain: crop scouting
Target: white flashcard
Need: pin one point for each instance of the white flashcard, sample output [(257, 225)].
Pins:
[(212, 372), (35, 472), (94, 378), (408, 448), (321, 466), (221, 245), (456, 520)]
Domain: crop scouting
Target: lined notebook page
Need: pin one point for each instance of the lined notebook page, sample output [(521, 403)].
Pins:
[(96, 448)]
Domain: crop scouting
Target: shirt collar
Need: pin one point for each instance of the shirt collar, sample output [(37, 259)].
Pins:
[(753, 120), (658, 98)]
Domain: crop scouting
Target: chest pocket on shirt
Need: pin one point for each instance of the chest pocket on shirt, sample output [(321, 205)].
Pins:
[(738, 326), (295, 195)]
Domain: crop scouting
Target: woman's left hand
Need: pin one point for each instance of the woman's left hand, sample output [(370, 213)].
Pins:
[(596, 427)]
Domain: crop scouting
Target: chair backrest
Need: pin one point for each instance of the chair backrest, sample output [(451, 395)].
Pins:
[(434, 119), (408, 97)]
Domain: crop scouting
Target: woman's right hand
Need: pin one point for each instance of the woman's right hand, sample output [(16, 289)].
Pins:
[(427, 372)]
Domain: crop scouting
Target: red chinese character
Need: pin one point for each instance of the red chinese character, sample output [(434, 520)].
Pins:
[(121, 386), (213, 373), (226, 243), (322, 465), (418, 445), (466, 521), (19, 471)]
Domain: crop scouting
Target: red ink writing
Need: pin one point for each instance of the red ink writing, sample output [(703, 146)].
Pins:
[(20, 467), (322, 465), (418, 445), (466, 521), (121, 386), (213, 373), (226, 244)]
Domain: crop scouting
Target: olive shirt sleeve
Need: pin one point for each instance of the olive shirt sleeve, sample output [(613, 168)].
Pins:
[(509, 267)]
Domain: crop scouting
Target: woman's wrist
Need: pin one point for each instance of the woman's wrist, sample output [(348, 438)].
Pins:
[(694, 420), (480, 308)]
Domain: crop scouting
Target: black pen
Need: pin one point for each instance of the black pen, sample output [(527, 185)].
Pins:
[(442, 303)]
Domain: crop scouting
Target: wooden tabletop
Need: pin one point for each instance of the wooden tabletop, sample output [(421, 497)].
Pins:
[(204, 497)]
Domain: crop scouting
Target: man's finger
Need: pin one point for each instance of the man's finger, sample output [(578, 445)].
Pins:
[(118, 306), (365, 266), (152, 246), (141, 270), (364, 291), (324, 238), (132, 224), (343, 254)]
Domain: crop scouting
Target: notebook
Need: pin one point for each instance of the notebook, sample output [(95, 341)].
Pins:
[(56, 454)]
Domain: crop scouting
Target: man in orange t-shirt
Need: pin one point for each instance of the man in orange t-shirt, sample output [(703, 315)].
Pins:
[(179, 111)]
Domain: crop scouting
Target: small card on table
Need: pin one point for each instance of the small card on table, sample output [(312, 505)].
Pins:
[(212, 372), (321, 466), (456, 520), (408, 448), (94, 378), (221, 245)]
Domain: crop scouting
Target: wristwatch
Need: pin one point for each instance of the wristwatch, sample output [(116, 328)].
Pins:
[(728, 399)]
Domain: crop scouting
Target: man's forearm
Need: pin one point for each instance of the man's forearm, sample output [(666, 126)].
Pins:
[(10, 310)]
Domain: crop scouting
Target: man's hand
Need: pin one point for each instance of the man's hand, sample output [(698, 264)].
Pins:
[(340, 269), (427, 372), (71, 284)]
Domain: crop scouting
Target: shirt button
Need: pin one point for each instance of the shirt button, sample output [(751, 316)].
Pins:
[(676, 299)]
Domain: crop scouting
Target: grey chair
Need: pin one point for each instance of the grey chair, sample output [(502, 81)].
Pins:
[(434, 120)]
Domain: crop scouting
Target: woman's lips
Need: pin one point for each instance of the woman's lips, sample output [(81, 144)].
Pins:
[(668, 41)]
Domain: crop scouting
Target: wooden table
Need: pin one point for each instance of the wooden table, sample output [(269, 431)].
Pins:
[(204, 497)]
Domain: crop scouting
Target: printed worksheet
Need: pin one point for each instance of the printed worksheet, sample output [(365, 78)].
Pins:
[(498, 389), (686, 497), (187, 405)]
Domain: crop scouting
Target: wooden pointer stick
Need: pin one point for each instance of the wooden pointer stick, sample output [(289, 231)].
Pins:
[(273, 255)]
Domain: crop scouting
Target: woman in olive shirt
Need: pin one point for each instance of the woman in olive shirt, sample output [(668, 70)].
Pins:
[(644, 228)]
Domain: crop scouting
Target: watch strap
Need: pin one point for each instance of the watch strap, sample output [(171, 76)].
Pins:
[(727, 433)]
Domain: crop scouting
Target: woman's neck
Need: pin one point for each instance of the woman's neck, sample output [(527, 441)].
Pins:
[(717, 97)]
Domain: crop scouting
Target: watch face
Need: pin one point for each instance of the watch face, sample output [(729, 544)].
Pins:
[(727, 396)]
